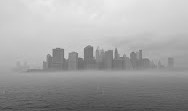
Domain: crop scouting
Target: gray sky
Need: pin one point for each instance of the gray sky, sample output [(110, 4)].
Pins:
[(29, 29)]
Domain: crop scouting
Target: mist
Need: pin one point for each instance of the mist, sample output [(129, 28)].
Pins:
[(29, 29)]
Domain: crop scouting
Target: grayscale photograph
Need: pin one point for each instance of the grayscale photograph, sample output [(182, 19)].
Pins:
[(93, 55)]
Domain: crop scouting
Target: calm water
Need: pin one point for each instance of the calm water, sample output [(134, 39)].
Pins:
[(94, 91)]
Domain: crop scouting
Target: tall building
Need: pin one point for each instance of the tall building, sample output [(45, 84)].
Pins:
[(49, 61), (127, 63), (108, 59), (99, 58), (116, 54), (139, 60), (65, 64), (97, 53), (89, 60), (88, 53), (58, 55), (170, 63), (73, 61), (58, 59), (133, 59), (80, 63), (118, 64)]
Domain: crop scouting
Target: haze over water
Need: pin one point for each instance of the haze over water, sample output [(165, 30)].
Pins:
[(94, 91)]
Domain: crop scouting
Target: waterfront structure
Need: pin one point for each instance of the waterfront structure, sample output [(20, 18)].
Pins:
[(49, 61), (58, 59), (58, 55), (80, 63), (103, 60), (116, 54), (89, 61), (73, 61), (99, 58), (108, 59), (118, 64), (88, 53), (140, 60), (127, 63), (133, 59)]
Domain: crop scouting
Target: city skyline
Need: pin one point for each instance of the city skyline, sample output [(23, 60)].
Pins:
[(93, 55), (29, 28), (103, 60)]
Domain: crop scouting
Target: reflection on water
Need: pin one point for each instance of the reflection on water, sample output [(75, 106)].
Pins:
[(115, 91)]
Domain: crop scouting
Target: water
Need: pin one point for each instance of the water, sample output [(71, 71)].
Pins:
[(94, 91)]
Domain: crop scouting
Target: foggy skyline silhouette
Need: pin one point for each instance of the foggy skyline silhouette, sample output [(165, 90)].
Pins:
[(103, 60), (93, 55), (29, 28)]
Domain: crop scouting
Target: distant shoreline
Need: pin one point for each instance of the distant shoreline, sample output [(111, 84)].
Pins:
[(145, 70)]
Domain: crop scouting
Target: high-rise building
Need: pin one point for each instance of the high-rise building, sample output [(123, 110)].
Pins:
[(65, 64), (80, 63), (58, 55), (139, 60), (170, 63), (89, 60), (99, 58), (133, 59), (49, 61), (127, 63), (97, 54), (118, 64), (58, 59), (73, 61), (108, 59), (88, 53), (116, 54)]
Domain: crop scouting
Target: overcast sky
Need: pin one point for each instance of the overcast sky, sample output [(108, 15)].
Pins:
[(29, 29)]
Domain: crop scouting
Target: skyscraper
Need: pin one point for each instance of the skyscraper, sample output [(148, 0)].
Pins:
[(88, 53), (127, 63), (139, 60), (58, 59), (58, 55), (88, 57), (118, 64), (49, 61), (73, 61), (108, 59), (116, 54), (97, 54), (133, 59), (99, 58), (80, 63)]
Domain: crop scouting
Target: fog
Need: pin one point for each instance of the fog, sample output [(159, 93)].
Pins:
[(29, 29)]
